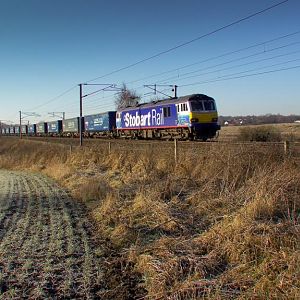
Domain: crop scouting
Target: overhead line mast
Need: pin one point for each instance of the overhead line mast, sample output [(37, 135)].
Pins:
[(154, 87), (107, 87), (25, 115)]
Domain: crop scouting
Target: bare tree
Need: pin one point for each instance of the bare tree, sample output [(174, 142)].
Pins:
[(126, 98)]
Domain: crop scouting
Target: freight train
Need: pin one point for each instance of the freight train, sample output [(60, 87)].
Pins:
[(191, 117)]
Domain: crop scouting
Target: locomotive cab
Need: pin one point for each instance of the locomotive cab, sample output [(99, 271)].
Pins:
[(203, 117)]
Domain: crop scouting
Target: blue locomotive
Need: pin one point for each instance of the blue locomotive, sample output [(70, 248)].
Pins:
[(189, 117)]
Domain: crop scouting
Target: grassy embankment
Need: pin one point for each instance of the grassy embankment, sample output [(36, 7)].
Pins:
[(222, 224)]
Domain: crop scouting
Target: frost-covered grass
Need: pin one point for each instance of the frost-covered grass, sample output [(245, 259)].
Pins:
[(45, 245)]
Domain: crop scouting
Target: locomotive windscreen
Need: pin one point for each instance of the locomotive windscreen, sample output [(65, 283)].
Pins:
[(205, 105)]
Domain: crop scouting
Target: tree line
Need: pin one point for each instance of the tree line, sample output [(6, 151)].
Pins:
[(256, 120)]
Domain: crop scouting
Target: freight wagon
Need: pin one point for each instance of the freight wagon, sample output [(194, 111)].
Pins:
[(17, 130), (71, 127), (41, 129), (24, 129), (11, 130), (102, 124), (32, 129), (54, 128)]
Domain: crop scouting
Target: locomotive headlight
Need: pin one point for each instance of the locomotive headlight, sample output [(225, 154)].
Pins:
[(214, 119), (194, 120)]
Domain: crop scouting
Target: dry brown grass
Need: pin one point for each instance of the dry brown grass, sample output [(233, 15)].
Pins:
[(221, 224), (288, 131)]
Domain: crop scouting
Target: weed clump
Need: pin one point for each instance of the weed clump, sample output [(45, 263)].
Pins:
[(260, 134)]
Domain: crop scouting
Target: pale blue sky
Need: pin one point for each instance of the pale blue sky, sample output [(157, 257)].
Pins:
[(47, 47)]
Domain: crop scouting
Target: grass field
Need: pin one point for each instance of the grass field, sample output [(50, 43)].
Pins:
[(288, 131), (222, 223)]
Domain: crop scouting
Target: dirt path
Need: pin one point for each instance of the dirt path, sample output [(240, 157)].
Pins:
[(46, 242)]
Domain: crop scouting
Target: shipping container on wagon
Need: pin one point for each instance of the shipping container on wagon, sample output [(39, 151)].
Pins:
[(41, 128), (24, 129), (71, 125), (11, 130), (55, 127), (100, 122), (32, 129), (17, 129)]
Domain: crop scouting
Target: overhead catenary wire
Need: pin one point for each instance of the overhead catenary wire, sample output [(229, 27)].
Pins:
[(109, 98), (237, 66), (260, 73), (178, 46), (231, 67), (55, 98), (171, 49), (225, 77), (191, 41), (216, 57), (230, 61), (104, 105), (213, 66), (215, 78), (233, 76), (218, 70), (107, 105)]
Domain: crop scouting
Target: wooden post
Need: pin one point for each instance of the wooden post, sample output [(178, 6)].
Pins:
[(175, 150), (109, 148), (287, 148)]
